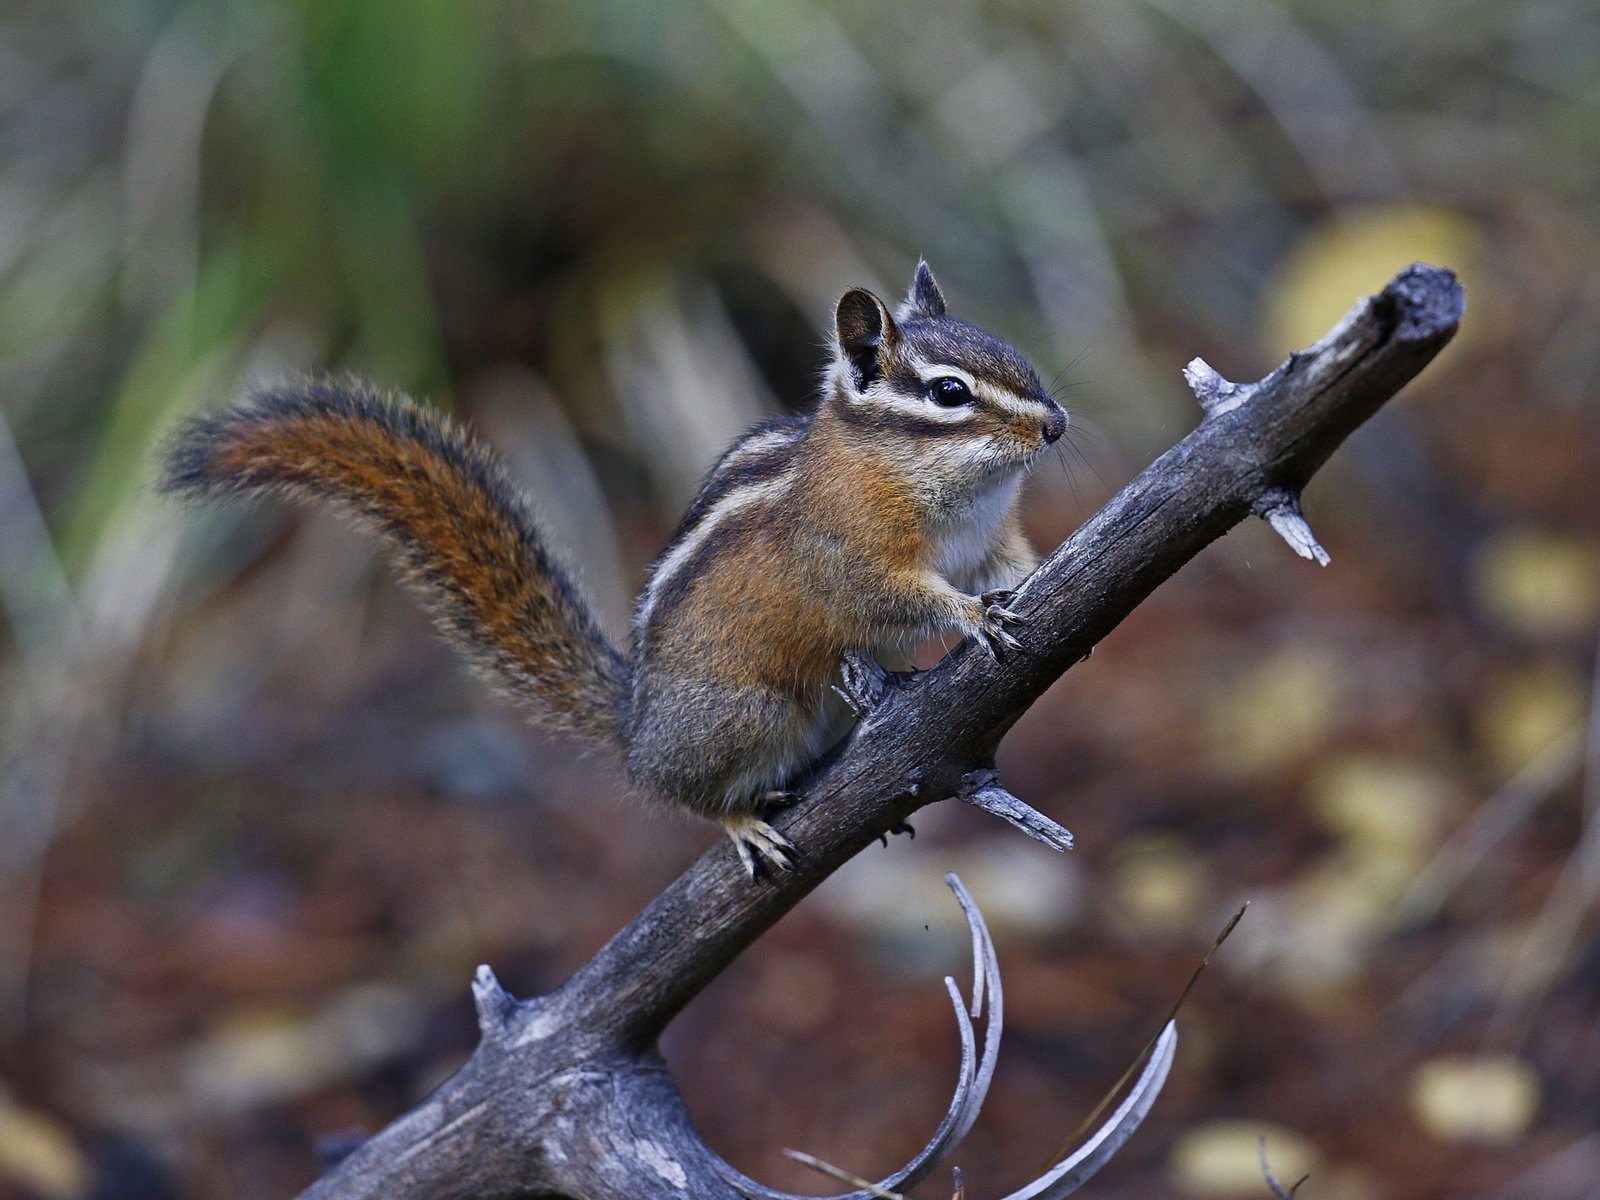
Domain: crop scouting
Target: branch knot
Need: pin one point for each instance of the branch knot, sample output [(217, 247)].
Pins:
[(495, 1005), (1216, 394)]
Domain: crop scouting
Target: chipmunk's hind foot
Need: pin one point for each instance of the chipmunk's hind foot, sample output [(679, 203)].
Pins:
[(760, 846)]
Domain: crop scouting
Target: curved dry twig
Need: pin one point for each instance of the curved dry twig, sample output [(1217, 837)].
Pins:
[(1068, 1175), (973, 1076), (972, 1087)]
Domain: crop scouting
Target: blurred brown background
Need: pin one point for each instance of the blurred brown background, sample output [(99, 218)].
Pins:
[(257, 827)]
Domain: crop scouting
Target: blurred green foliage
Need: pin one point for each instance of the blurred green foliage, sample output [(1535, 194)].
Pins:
[(414, 188)]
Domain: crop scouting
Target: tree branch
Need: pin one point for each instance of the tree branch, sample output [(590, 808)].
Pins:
[(566, 1095)]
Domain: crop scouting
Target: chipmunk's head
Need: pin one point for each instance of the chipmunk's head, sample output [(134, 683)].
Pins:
[(956, 400)]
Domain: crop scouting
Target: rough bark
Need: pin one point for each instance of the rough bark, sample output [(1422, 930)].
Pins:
[(566, 1095)]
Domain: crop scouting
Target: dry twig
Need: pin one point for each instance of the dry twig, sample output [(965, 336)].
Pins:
[(1278, 1190)]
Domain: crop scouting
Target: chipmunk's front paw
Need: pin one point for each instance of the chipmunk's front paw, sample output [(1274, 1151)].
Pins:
[(759, 844), (994, 635), (862, 683)]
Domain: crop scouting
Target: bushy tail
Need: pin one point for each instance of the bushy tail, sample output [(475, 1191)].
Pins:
[(464, 538)]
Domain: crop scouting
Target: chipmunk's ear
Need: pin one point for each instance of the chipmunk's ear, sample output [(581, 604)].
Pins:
[(865, 336), (924, 300)]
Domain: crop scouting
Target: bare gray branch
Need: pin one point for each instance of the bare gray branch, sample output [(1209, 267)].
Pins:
[(566, 1096)]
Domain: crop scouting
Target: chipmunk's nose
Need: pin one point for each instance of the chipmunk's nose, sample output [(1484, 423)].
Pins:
[(1052, 429)]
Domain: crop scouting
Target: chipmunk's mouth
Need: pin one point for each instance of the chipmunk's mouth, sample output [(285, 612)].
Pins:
[(1009, 459)]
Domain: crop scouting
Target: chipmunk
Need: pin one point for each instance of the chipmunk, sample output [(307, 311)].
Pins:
[(816, 546)]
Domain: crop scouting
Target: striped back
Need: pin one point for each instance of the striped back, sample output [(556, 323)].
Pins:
[(758, 467)]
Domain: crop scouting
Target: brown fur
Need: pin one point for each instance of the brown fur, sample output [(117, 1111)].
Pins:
[(462, 535)]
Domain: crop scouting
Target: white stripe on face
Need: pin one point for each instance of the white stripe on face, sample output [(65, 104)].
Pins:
[(929, 371), (690, 544), (1022, 406), (1001, 397), (881, 395)]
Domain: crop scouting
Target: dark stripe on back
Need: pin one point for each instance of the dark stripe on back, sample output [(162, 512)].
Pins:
[(718, 483), (732, 533), (721, 480)]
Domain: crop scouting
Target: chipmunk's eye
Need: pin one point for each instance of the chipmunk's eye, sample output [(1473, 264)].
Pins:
[(949, 392)]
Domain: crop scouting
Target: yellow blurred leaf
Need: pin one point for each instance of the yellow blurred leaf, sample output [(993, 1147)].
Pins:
[(1538, 584), (1223, 1158), (1345, 1183), (1529, 711), (1490, 1099), (1158, 885), (268, 1053), (1327, 920), (256, 1055), (1022, 893), (1279, 710), (1380, 802), (1353, 254), (37, 1152)]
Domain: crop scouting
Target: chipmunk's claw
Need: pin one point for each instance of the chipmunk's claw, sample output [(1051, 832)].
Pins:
[(997, 643), (759, 844), (995, 638), (895, 830), (994, 605)]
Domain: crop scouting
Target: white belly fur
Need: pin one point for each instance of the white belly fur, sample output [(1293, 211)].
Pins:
[(964, 544)]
